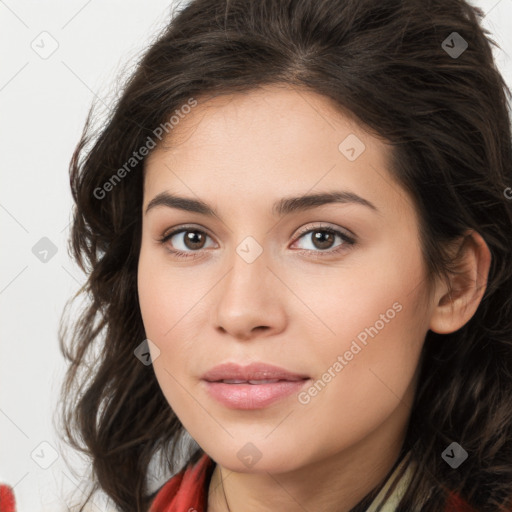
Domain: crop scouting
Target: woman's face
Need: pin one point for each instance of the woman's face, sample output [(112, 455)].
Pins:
[(262, 281)]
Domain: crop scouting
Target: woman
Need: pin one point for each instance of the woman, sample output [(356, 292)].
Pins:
[(297, 232)]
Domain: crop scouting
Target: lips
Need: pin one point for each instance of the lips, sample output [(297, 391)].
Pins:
[(254, 373), (255, 386)]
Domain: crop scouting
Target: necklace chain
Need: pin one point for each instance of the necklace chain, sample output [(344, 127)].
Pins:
[(229, 510), (223, 491)]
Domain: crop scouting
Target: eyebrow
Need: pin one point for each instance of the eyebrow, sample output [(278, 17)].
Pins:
[(282, 207)]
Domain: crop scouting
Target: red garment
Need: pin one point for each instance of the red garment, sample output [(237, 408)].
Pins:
[(7, 502), (187, 491)]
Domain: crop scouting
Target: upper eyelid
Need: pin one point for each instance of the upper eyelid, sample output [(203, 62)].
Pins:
[(181, 229), (319, 226)]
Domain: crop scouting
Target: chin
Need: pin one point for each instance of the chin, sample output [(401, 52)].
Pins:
[(250, 458)]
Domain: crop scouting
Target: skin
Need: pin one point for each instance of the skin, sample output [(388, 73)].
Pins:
[(241, 153)]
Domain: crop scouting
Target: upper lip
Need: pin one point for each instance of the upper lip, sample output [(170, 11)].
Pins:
[(253, 371)]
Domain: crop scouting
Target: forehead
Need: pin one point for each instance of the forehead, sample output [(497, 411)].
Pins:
[(286, 112), (274, 138)]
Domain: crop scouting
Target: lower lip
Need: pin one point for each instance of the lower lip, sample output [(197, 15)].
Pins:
[(252, 396)]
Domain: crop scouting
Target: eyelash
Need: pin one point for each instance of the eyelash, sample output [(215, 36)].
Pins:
[(347, 241)]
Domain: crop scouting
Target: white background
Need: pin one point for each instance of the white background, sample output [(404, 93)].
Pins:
[(43, 105)]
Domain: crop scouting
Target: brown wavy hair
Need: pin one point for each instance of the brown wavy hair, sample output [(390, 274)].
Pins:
[(448, 121)]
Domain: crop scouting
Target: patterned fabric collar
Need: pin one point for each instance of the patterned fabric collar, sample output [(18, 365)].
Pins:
[(399, 491)]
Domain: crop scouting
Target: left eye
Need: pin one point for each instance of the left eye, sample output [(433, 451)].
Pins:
[(323, 238)]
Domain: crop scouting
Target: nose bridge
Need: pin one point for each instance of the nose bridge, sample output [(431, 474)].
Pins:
[(249, 265), (246, 299)]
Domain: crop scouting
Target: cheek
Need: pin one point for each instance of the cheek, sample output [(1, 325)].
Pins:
[(172, 313), (166, 292), (376, 358), (365, 374), (376, 332), (151, 297), (376, 299), (373, 318)]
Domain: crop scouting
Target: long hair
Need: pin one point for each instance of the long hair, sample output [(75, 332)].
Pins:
[(420, 75)]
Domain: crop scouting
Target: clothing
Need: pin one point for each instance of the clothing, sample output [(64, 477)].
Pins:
[(187, 491), (7, 502)]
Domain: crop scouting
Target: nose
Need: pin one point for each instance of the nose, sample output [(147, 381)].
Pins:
[(250, 299)]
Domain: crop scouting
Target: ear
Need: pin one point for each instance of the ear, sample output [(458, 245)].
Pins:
[(454, 308)]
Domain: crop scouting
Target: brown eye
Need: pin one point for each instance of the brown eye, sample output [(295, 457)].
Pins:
[(186, 240), (194, 239), (323, 239)]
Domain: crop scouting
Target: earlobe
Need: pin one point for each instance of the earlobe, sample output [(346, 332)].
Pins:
[(457, 303)]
